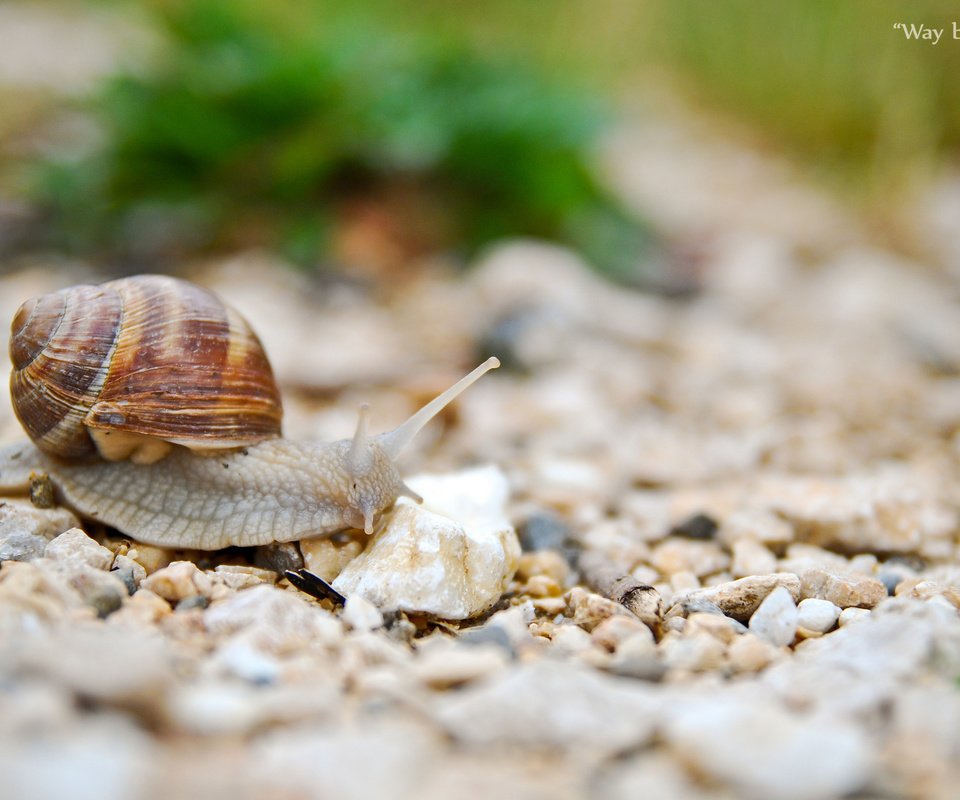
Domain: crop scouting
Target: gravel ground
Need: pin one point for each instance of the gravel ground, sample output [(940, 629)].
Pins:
[(738, 511)]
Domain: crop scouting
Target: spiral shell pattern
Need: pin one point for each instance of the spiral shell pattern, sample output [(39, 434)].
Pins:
[(149, 355)]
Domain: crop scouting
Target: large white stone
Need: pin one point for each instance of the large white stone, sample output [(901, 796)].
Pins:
[(450, 557)]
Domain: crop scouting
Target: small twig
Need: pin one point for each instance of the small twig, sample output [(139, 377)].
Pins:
[(638, 598)]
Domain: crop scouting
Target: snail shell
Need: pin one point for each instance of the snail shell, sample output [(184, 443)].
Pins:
[(131, 366)]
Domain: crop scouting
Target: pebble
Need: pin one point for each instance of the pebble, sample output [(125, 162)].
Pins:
[(637, 657), (104, 592), (327, 556), (547, 563), (142, 609), (129, 571), (21, 546), (218, 708), (483, 635), (775, 621), (696, 652), (758, 525), (852, 614), (361, 615), (273, 619), (74, 548), (241, 576), (688, 555), (699, 526), (724, 629), (279, 557), (684, 582), (749, 654), (854, 513), (514, 622), (817, 615), (178, 581), (751, 558), (543, 531), (126, 575), (447, 666), (21, 519), (791, 756), (741, 598), (841, 588), (613, 632), (450, 558), (550, 704), (244, 661), (98, 662), (149, 557), (570, 640), (588, 609)]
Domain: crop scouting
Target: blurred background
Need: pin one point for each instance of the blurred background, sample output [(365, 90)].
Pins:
[(368, 139)]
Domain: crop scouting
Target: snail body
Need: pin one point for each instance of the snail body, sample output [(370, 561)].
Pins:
[(209, 484)]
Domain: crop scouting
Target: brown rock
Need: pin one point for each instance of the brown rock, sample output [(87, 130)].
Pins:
[(740, 598), (840, 588)]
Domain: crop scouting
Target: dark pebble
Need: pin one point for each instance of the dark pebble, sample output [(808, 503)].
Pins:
[(699, 526), (543, 531), (279, 557), (488, 634), (891, 580), (105, 600), (126, 575), (504, 338), (194, 601)]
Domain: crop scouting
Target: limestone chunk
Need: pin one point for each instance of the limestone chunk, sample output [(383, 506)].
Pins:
[(451, 558)]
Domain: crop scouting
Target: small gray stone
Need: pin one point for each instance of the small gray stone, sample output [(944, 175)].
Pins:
[(488, 635), (21, 546), (699, 526), (19, 516), (891, 580), (817, 615), (191, 602), (126, 575), (543, 531), (776, 619)]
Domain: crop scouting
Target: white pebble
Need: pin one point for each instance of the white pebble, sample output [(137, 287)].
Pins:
[(775, 620), (852, 614), (74, 547), (361, 615), (817, 615), (451, 558)]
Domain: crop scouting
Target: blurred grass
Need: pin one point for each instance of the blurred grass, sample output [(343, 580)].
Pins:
[(829, 82), (311, 126), (832, 82), (265, 116)]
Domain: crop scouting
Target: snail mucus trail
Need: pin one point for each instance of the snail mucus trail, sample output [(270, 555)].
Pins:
[(201, 490)]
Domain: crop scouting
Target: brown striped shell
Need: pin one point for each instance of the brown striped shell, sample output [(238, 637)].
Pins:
[(147, 359)]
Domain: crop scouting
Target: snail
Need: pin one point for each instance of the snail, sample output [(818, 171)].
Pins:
[(152, 408)]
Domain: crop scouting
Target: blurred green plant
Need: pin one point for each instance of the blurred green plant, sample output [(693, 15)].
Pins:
[(287, 124)]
